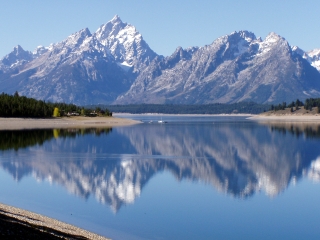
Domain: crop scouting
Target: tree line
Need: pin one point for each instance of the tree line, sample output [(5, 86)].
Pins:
[(12, 139), (21, 106), (308, 104), (215, 108), (24, 107), (308, 131)]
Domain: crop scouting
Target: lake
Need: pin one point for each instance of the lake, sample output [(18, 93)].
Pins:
[(194, 177)]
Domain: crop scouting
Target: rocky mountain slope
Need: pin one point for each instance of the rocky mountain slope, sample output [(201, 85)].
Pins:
[(125, 44), (236, 67), (116, 65), (81, 69)]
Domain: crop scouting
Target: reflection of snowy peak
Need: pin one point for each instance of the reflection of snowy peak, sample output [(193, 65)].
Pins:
[(233, 160), (314, 171), (236, 161), (113, 182)]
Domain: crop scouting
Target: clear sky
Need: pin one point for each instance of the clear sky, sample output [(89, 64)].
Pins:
[(164, 24)]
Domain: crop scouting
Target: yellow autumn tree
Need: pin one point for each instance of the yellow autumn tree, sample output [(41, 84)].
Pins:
[(56, 112)]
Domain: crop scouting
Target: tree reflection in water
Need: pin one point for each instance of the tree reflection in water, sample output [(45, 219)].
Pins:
[(237, 159)]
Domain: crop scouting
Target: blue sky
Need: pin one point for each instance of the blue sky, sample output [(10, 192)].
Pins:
[(164, 24)]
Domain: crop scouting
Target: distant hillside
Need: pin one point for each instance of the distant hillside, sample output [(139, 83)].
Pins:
[(217, 108)]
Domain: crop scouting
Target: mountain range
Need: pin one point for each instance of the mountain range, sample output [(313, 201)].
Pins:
[(115, 65)]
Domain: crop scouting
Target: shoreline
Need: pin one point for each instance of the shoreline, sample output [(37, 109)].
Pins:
[(64, 122), (187, 114), (16, 223), (301, 118), (117, 121), (286, 118)]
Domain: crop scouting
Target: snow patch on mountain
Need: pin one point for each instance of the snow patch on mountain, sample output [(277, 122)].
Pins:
[(125, 66), (270, 41)]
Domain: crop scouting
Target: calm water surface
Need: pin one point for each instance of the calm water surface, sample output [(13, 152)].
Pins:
[(195, 177)]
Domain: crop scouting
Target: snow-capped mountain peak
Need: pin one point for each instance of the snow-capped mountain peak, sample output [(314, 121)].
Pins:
[(40, 50), (115, 19), (234, 44), (243, 41), (110, 29), (272, 37), (77, 38), (313, 56), (271, 40), (246, 35), (17, 57), (116, 65), (125, 43), (298, 50), (18, 50)]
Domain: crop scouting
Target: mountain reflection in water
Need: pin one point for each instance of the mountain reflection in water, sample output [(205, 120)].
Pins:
[(238, 159)]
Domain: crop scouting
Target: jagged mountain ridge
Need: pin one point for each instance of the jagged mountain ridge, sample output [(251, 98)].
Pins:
[(313, 56), (125, 44), (234, 68), (80, 69), (115, 65), (74, 70)]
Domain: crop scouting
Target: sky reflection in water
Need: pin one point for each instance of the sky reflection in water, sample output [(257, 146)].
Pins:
[(193, 178)]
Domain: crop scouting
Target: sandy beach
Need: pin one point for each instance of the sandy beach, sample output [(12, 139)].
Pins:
[(299, 115), (103, 122), (287, 118), (16, 223), (65, 122)]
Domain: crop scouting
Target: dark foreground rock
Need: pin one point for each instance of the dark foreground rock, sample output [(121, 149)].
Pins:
[(20, 224)]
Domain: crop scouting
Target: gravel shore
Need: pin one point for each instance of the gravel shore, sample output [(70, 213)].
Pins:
[(65, 122), (16, 223)]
